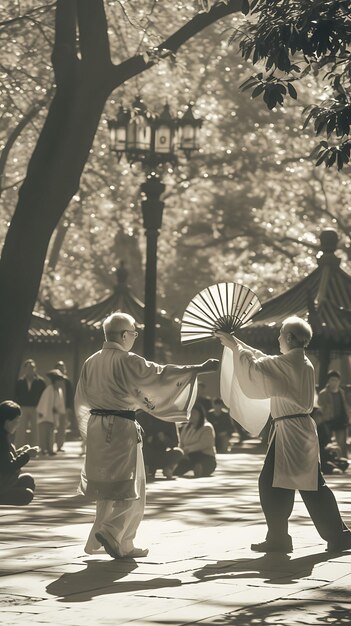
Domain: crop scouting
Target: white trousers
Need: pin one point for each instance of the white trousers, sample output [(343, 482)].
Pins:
[(119, 520)]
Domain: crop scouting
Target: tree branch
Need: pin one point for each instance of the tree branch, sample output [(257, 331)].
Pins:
[(13, 136), (93, 37), (137, 64), (64, 55), (15, 20)]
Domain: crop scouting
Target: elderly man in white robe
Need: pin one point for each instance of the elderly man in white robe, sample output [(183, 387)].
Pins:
[(115, 383), (253, 385)]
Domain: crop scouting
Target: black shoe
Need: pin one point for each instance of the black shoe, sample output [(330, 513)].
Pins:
[(269, 546), (344, 543)]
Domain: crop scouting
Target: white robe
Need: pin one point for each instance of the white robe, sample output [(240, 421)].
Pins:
[(118, 380), (254, 385), (51, 405)]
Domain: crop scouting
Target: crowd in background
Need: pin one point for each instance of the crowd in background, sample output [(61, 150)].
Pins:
[(47, 408), (47, 411)]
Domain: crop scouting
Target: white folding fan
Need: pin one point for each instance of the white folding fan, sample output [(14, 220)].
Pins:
[(223, 306)]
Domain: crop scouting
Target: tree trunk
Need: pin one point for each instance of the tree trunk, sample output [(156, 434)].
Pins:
[(54, 170), (52, 179)]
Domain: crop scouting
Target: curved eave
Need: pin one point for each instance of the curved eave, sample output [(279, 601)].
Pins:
[(42, 330), (90, 318), (323, 297)]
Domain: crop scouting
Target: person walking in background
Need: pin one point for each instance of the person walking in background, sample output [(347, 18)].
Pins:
[(335, 410), (115, 383), (68, 416), (160, 445), (28, 391), (223, 425), (197, 440), (50, 408), (15, 488), (292, 460)]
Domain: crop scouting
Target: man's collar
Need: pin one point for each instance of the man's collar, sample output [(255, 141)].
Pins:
[(112, 345)]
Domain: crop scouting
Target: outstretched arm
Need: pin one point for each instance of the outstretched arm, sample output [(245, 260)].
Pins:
[(234, 343)]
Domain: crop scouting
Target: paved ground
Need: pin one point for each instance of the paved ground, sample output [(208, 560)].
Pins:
[(200, 569)]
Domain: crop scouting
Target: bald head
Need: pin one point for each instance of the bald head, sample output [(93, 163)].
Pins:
[(300, 330), (117, 322)]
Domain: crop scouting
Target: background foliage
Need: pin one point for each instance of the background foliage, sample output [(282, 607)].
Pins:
[(249, 206)]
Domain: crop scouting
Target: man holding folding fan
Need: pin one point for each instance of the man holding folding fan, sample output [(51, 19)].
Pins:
[(254, 384)]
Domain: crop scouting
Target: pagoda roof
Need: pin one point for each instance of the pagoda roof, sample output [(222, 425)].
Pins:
[(42, 330), (323, 298), (90, 318)]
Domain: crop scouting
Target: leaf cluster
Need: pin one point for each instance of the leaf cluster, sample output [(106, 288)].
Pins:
[(293, 38), (273, 89)]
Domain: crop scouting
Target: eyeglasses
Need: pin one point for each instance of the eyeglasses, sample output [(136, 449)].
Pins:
[(134, 332)]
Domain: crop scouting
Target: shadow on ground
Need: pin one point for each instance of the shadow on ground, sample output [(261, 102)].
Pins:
[(273, 568), (102, 578), (229, 496)]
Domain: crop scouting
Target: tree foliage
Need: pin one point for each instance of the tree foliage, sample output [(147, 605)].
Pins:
[(291, 39), (248, 207)]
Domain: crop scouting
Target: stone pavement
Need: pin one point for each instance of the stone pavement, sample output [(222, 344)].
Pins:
[(200, 569)]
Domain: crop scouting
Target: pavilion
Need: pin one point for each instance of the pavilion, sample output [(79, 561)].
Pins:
[(83, 326), (323, 298)]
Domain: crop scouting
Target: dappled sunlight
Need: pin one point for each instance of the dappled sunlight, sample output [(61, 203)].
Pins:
[(283, 612)]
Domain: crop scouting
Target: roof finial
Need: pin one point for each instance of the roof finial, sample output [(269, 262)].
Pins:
[(329, 240), (121, 273)]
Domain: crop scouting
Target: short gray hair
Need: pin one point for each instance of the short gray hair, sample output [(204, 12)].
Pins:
[(299, 328), (116, 322)]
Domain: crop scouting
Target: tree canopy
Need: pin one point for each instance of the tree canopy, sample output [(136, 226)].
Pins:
[(249, 206), (251, 189), (290, 39)]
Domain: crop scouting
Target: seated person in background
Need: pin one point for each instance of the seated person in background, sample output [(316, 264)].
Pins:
[(160, 445), (202, 399), (323, 430), (15, 488), (197, 440), (330, 453), (223, 425), (331, 460)]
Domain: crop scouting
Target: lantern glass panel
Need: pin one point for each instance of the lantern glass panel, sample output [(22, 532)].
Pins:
[(163, 139), (187, 139), (121, 137), (112, 130)]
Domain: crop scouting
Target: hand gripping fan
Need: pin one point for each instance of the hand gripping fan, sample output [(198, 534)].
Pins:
[(223, 306)]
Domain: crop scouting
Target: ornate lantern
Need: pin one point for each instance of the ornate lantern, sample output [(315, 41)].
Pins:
[(188, 138), (139, 130), (118, 132), (164, 131)]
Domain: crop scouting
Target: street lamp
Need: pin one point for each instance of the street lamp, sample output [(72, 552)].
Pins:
[(151, 139)]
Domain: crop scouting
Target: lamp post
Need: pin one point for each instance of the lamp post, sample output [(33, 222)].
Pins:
[(152, 140)]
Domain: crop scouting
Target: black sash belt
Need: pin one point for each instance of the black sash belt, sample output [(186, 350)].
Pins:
[(128, 415), (288, 417)]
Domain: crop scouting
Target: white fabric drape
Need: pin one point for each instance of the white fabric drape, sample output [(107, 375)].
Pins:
[(251, 413), (253, 385)]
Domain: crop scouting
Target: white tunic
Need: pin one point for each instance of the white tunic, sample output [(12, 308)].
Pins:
[(280, 385), (51, 405), (118, 380)]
